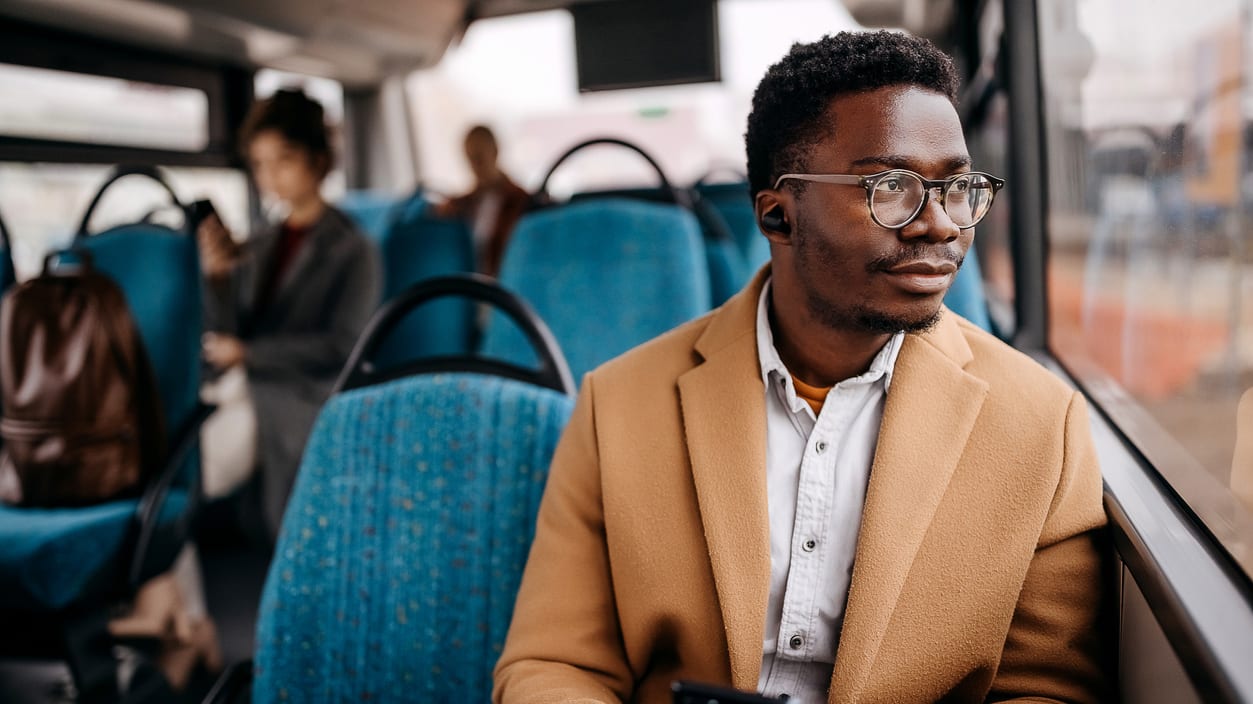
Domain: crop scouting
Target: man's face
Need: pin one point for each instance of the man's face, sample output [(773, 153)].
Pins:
[(856, 274)]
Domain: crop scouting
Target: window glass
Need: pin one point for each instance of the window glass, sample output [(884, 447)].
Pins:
[(43, 204), (1148, 113), (73, 107)]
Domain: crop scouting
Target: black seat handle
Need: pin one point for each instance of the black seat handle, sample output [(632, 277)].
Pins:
[(119, 173), (677, 195), (553, 372), (54, 260)]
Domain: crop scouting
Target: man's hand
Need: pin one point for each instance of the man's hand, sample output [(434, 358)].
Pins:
[(222, 351)]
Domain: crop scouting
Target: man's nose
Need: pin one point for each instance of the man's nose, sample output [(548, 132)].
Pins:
[(933, 223)]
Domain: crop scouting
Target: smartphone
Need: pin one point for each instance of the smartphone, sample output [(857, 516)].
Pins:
[(697, 693), (200, 210)]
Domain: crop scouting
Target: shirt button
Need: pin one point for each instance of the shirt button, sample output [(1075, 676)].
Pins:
[(809, 545), (821, 447), (796, 642)]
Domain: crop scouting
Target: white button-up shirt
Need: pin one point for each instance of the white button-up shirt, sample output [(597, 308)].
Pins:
[(817, 469)]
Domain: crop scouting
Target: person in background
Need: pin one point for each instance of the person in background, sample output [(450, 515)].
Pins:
[(493, 206), (283, 310)]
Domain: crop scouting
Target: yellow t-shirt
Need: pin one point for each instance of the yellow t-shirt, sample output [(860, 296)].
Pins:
[(813, 395)]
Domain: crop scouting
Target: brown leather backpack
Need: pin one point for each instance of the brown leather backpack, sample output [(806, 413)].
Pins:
[(81, 419)]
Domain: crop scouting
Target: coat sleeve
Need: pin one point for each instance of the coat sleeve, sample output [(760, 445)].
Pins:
[(565, 642), (1057, 649), (356, 296)]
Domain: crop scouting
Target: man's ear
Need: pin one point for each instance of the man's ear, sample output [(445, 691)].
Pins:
[(773, 209)]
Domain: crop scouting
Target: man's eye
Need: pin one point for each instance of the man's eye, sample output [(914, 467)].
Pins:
[(960, 185), (892, 185)]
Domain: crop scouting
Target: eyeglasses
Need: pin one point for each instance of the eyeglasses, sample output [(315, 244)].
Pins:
[(897, 196)]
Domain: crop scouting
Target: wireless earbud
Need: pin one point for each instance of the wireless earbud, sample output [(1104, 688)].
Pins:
[(773, 222)]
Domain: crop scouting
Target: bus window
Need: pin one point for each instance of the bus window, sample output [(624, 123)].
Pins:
[(74, 107), (1150, 260), (42, 203)]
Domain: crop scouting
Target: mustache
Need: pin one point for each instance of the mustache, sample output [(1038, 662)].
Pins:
[(914, 252)]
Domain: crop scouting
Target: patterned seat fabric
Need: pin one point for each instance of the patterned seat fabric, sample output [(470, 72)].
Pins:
[(402, 548), (606, 275), (52, 558)]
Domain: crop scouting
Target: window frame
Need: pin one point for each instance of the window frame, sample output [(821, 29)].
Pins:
[(1199, 595), (227, 88)]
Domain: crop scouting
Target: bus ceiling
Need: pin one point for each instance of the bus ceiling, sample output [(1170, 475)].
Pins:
[(356, 42)]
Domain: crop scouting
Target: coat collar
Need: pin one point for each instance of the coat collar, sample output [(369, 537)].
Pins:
[(928, 416)]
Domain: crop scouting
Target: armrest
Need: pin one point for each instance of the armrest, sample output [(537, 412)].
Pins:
[(233, 687), (152, 504)]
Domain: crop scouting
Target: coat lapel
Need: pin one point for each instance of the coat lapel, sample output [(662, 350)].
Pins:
[(308, 253), (723, 403), (930, 411)]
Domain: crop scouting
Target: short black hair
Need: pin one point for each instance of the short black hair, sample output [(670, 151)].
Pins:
[(795, 93), (298, 118)]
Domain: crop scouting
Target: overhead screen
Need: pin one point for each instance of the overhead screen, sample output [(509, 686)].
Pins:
[(637, 43)]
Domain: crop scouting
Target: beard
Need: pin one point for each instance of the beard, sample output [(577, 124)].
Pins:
[(863, 318), (816, 258)]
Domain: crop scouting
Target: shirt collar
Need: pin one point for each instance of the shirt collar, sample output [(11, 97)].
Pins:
[(881, 367)]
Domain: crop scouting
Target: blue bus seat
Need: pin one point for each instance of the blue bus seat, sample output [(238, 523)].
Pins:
[(734, 204), (411, 519), (728, 271), (606, 275), (375, 211), (158, 270), (45, 554), (372, 211), (966, 297), (418, 247), (403, 545)]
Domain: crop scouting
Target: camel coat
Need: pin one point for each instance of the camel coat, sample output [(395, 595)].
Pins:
[(978, 571)]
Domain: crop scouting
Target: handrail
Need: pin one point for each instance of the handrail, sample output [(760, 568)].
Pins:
[(541, 194), (553, 372), (118, 174), (153, 501)]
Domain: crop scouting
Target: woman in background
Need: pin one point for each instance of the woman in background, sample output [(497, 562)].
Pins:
[(283, 310)]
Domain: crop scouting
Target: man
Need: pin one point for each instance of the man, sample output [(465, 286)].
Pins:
[(495, 204), (830, 487)]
